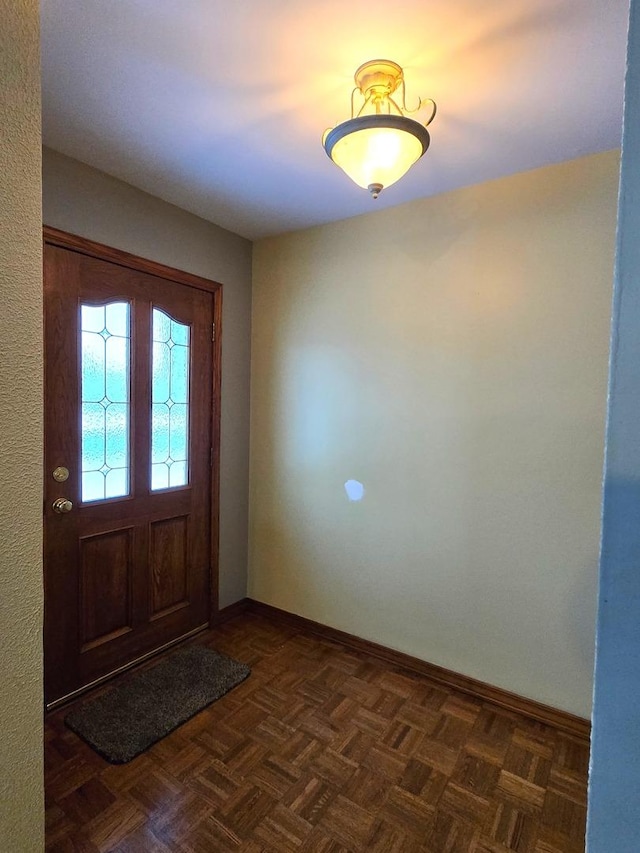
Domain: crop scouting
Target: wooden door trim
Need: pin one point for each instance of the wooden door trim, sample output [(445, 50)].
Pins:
[(55, 237), (216, 407), (84, 246)]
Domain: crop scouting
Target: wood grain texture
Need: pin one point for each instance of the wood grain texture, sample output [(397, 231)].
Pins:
[(326, 749), (99, 619), (168, 564), (216, 420), (563, 720), (105, 585), (55, 237)]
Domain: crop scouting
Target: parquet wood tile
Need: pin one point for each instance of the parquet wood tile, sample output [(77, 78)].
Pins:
[(323, 750)]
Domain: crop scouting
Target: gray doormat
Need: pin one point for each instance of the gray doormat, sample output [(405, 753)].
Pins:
[(150, 704)]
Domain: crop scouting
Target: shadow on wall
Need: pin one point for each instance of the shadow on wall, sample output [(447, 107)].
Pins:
[(580, 630)]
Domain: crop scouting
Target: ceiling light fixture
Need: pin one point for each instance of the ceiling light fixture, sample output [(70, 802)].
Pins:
[(379, 144)]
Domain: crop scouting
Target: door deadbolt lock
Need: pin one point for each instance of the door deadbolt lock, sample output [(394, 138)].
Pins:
[(60, 474), (62, 505)]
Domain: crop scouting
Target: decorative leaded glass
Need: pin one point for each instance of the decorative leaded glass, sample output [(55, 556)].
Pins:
[(105, 368), (169, 402)]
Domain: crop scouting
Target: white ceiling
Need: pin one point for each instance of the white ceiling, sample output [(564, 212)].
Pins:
[(218, 106)]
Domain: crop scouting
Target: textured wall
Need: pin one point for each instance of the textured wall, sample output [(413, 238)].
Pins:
[(21, 784), (451, 355), (614, 785), (81, 200)]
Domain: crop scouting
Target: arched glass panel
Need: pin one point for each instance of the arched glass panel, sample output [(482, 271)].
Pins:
[(105, 371), (169, 402)]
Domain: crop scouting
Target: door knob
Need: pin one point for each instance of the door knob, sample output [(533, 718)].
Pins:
[(62, 505)]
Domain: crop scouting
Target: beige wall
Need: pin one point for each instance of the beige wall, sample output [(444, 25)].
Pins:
[(21, 780), (450, 354), (81, 200)]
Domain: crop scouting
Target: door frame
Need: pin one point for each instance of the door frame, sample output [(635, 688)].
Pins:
[(84, 246)]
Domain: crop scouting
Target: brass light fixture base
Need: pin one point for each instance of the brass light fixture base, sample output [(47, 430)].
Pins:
[(378, 78), (379, 143)]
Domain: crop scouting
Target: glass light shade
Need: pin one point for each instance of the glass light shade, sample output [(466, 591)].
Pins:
[(376, 150)]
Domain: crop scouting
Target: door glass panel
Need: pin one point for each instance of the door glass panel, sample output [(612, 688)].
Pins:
[(105, 368), (169, 402)]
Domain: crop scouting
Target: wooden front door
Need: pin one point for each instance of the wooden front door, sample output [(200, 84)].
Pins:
[(129, 448)]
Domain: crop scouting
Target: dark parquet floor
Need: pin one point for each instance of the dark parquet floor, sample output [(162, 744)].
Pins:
[(323, 750)]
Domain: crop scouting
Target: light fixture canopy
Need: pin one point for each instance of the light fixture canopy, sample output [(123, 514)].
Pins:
[(379, 144)]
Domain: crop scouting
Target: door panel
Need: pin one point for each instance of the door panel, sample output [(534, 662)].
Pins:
[(168, 562), (106, 580), (128, 401)]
